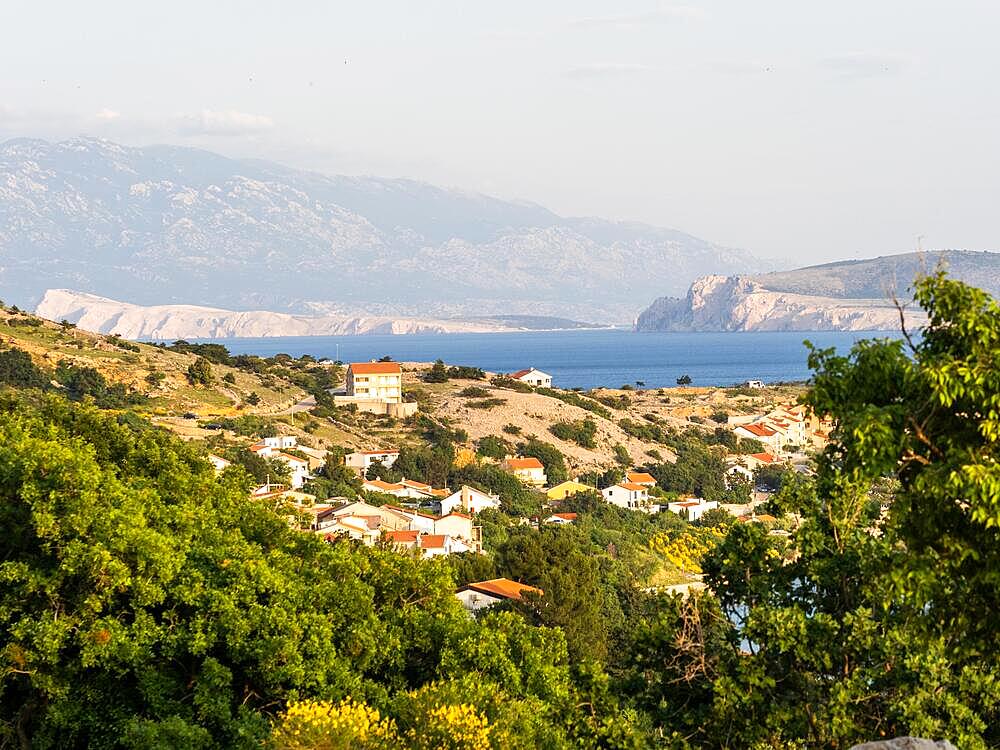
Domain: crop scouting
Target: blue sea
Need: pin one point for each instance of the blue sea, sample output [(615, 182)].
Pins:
[(587, 358)]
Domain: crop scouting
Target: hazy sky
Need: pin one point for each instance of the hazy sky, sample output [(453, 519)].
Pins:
[(802, 130)]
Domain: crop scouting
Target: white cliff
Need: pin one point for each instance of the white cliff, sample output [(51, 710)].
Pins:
[(740, 303), (102, 315)]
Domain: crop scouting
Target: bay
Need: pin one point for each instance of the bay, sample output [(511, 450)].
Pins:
[(586, 358)]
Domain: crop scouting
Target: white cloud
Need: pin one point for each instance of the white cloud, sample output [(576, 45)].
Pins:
[(865, 64), (606, 70), (737, 67), (106, 115), (666, 14), (227, 123)]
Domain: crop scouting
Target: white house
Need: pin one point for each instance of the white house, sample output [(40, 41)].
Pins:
[(460, 526), (362, 460), (476, 596), (469, 500), (270, 447), (534, 377), (561, 519), (640, 477), (403, 488), (218, 463), (628, 495), (528, 470), (692, 509), (297, 467)]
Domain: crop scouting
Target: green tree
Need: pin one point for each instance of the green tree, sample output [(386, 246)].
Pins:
[(437, 374), (199, 372), (17, 369)]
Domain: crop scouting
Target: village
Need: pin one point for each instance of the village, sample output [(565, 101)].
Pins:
[(417, 518)]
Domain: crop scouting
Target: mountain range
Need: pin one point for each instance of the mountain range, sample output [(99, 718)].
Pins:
[(167, 225), (854, 295)]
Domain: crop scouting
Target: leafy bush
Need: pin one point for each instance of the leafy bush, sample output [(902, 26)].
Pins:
[(492, 446), (571, 397), (461, 372), (487, 403), (473, 391), (510, 384), (18, 369), (199, 372), (581, 432), (437, 374)]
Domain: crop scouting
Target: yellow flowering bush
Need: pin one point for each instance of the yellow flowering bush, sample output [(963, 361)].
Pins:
[(459, 727), (687, 550), (321, 725)]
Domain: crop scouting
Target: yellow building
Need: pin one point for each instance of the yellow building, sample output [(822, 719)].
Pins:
[(381, 381), (565, 489)]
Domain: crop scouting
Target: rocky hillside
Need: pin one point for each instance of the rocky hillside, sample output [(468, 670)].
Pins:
[(168, 225), (847, 296), (169, 322)]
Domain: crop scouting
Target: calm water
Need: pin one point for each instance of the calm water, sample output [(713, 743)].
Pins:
[(584, 359)]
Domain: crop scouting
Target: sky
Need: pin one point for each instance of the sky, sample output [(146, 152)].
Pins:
[(800, 131)]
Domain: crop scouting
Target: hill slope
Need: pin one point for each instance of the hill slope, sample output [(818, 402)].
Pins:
[(848, 295), (163, 225)]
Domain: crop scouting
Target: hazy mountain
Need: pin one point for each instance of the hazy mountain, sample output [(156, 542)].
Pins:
[(851, 295), (166, 322), (163, 224)]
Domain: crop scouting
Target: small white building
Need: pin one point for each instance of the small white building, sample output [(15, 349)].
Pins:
[(469, 500), (218, 463), (476, 596), (693, 508), (362, 460), (756, 384), (280, 442), (533, 377), (628, 495), (529, 470), (297, 467)]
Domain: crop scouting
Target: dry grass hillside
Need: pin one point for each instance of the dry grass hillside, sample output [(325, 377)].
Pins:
[(48, 343)]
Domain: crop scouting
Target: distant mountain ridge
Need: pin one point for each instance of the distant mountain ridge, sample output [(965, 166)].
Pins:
[(853, 295), (163, 224), (169, 322)]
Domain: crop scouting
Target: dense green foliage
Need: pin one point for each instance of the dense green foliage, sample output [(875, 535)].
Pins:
[(17, 369), (581, 432), (147, 603)]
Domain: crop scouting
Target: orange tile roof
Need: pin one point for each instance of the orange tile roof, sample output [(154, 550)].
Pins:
[(565, 516), (524, 463), (520, 373), (432, 540), (456, 513), (758, 429), (502, 587), (402, 537), (377, 453), (631, 487), (375, 368), (290, 457), (764, 457), (640, 477), (378, 483)]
